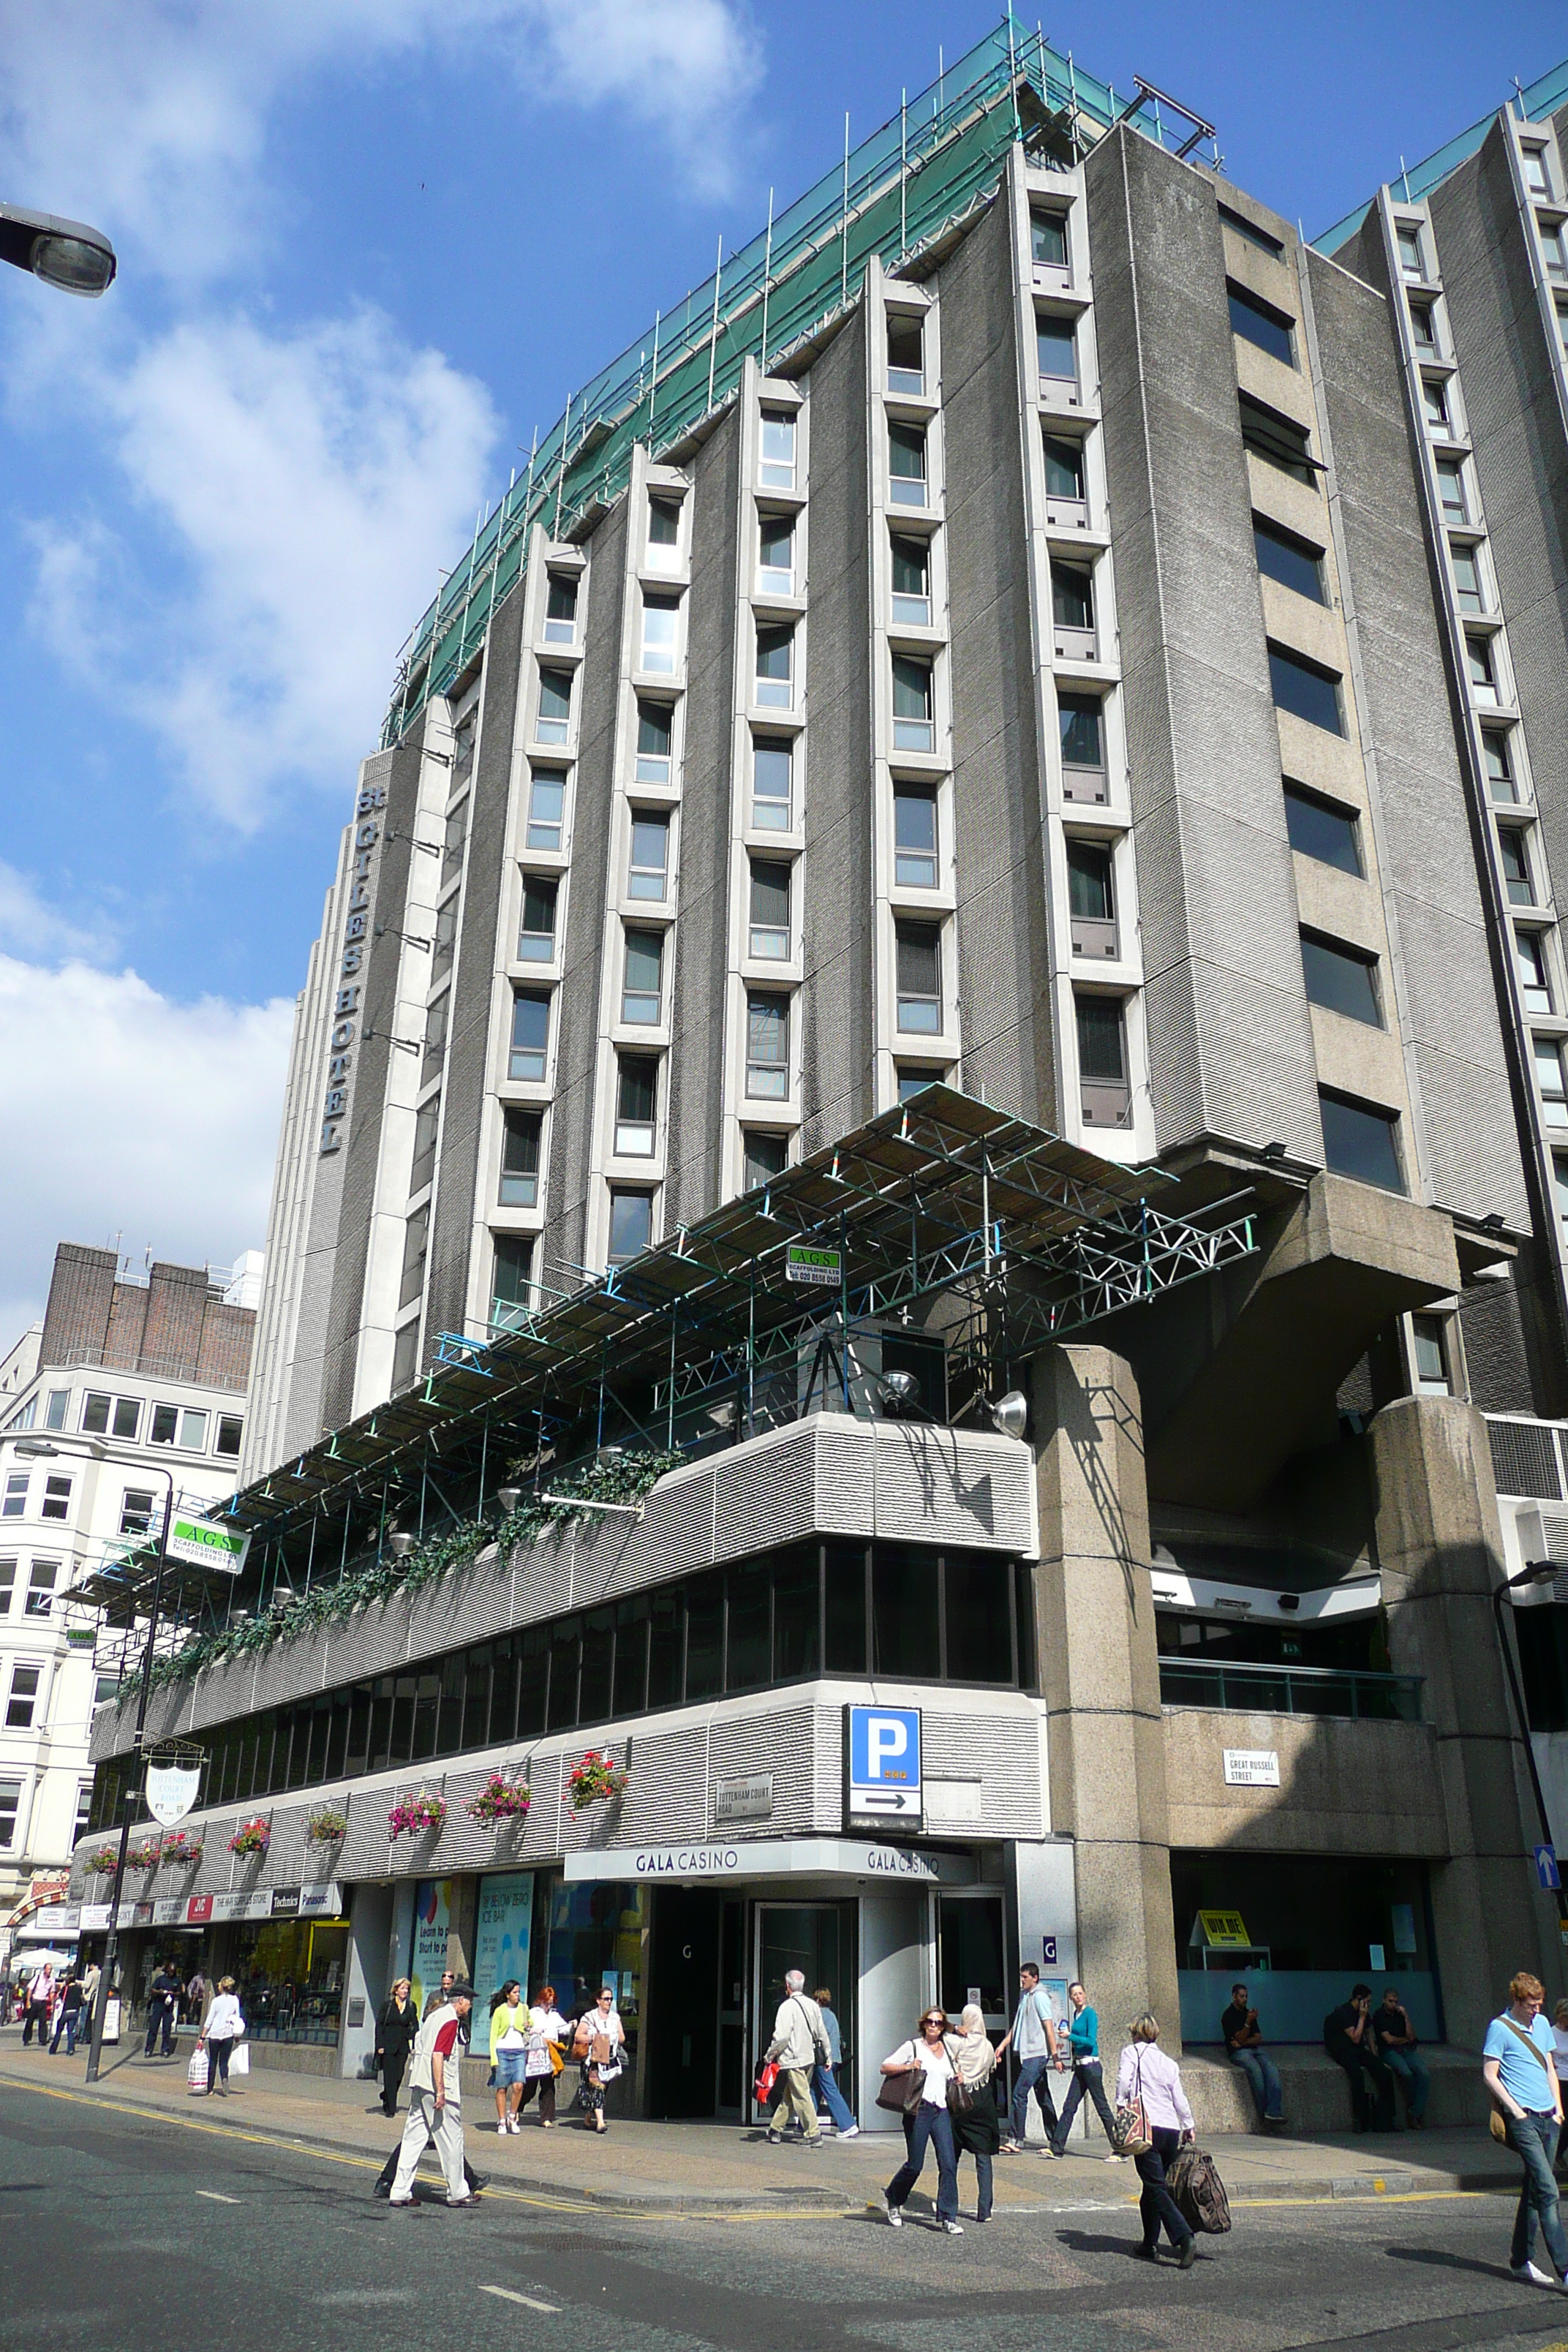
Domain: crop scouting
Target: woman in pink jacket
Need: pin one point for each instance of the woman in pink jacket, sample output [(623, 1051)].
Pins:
[(1146, 2073)]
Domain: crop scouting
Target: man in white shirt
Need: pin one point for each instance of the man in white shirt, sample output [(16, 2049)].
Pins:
[(435, 2099), (800, 2045)]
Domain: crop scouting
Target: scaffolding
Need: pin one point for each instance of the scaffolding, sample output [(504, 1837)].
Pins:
[(900, 194)]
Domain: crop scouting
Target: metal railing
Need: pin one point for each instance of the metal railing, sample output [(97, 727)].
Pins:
[(1246, 1689)]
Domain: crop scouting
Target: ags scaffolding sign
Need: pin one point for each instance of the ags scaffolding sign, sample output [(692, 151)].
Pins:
[(346, 1003)]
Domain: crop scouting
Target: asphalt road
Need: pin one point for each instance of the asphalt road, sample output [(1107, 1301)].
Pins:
[(186, 2236)]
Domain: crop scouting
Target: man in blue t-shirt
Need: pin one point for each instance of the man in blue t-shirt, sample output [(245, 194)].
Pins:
[(1521, 2075)]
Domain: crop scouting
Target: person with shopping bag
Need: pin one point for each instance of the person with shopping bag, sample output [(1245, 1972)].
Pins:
[(799, 2046), (972, 2101), (224, 2027), (916, 2077), (544, 2055), (597, 2045), (1149, 2087)]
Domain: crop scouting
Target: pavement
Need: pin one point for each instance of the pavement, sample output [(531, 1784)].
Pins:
[(730, 2168)]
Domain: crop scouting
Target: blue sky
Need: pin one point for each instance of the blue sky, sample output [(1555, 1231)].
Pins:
[(366, 246)]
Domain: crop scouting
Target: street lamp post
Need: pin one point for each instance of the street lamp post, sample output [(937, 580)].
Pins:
[(64, 252), (1534, 1571), (32, 1449)]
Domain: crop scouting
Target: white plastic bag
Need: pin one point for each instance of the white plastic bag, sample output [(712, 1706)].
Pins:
[(238, 2059), (196, 2072)]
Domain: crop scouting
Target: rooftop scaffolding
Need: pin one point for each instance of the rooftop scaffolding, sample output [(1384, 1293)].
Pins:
[(897, 195)]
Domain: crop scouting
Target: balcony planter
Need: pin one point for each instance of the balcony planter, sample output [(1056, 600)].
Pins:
[(595, 1779), (501, 1802), (252, 1837), (418, 1816), (181, 1851), (105, 1862), (327, 1825), (145, 1856)]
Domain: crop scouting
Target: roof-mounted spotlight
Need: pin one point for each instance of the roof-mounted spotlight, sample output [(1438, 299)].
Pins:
[(400, 1545), (1010, 1413), (508, 1498)]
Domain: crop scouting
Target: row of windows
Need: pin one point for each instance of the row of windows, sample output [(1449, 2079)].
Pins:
[(187, 1428), (819, 1607), (37, 1595)]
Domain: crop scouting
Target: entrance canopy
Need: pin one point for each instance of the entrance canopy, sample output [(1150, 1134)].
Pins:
[(717, 1863)]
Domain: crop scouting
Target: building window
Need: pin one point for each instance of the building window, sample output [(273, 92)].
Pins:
[(1305, 690), (56, 1499), (7, 1585), (769, 927), (426, 1120), (1259, 323), (1424, 328), (906, 354), (105, 1687), (554, 705), (1318, 829), (1499, 764), (511, 1281), (911, 580), (775, 555), (906, 464), (775, 668), (520, 1158), (446, 940), (919, 977), (1278, 439), (1410, 261), (765, 1156), (1451, 494), (41, 1580), (464, 737), (1435, 400), (914, 726), (642, 989), (103, 1415), (546, 808), (1092, 903), (1537, 175), (536, 930), (1560, 1176), (1560, 314), (1514, 857), (1340, 979), (1361, 1140), (1289, 560), (1467, 579), (83, 1821), (24, 1698), (1556, 249), (453, 837), (14, 1503), (1102, 1025), (230, 1431), (165, 1427), (656, 730), (55, 1410), (777, 471), (914, 838), (136, 1508), (663, 534), (913, 1081), (10, 1806), (771, 778), (660, 626), (1064, 469), (1482, 669), (529, 1039), (1429, 1356), (416, 1241), (1083, 747), (767, 1047), (1048, 239), (1549, 1077), (1251, 232), (648, 876), (1530, 961), (631, 1225), (406, 1354), (1072, 610), (637, 1098), (560, 609), (1056, 351)]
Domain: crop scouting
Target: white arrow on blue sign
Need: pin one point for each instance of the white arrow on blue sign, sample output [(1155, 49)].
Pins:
[(884, 1765), (1546, 1868)]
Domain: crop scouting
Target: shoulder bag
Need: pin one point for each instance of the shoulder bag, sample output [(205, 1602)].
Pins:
[(900, 2094), (1131, 2122), (1498, 2122)]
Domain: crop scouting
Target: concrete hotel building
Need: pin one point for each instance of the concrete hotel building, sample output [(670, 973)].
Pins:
[(988, 638)]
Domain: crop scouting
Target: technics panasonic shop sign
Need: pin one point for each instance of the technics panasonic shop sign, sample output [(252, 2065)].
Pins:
[(882, 1768), (346, 1003)]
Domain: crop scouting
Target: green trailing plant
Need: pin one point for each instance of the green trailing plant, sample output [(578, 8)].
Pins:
[(105, 1862), (626, 1479), (326, 1825), (145, 1856)]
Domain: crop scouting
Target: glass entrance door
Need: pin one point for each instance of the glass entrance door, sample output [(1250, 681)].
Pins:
[(818, 1939), (970, 1956)]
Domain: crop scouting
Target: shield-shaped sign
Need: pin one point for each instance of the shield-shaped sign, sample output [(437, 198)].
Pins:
[(171, 1790)]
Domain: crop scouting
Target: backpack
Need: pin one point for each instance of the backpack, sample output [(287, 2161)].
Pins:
[(1199, 2191)]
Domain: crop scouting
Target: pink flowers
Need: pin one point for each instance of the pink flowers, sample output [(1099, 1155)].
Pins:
[(501, 1800), (105, 1862), (253, 1836), (595, 1778), (182, 1850), (414, 1816), (144, 1856)]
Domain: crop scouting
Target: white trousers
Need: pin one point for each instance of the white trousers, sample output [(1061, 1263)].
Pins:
[(444, 2127)]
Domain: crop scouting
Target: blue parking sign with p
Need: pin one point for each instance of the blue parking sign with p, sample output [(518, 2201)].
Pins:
[(884, 1764)]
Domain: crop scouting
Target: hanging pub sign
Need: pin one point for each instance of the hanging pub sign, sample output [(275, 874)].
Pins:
[(171, 1790)]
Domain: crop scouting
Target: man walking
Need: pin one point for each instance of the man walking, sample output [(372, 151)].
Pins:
[(1244, 2047), (800, 2045), (1032, 2037), (41, 2001), (435, 2099), (1521, 2075), (162, 2000)]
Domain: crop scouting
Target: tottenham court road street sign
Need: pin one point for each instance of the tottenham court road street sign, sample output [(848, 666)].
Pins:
[(883, 1771)]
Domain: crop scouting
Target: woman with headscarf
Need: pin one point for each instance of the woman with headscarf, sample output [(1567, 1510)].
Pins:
[(972, 2100)]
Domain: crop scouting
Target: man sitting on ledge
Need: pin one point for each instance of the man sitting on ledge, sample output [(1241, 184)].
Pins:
[(1244, 2047)]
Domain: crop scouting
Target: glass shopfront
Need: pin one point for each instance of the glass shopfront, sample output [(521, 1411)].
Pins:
[(290, 1977), (594, 1937)]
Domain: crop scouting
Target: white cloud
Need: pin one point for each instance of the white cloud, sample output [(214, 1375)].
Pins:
[(126, 1112), (30, 925)]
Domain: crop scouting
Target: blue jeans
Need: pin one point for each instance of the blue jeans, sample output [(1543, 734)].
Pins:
[(929, 2127), (824, 2083), (69, 2019), (1261, 2073), (1533, 2138), (1032, 2076), (1413, 2074)]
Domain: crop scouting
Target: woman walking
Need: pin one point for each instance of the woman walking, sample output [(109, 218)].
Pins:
[(977, 2126), (543, 2057), (509, 2025), (597, 2044), (395, 2031), (224, 2028), (1088, 2075), (1146, 2074), (929, 2124)]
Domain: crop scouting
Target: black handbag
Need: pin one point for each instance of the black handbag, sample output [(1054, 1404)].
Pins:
[(900, 2094), (962, 2099)]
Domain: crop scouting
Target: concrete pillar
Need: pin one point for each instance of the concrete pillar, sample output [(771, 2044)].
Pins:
[(1099, 1673), (1440, 1551)]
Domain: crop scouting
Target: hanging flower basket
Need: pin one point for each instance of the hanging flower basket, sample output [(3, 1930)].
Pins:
[(105, 1862), (501, 1800), (326, 1825), (416, 1816), (595, 1778), (253, 1836), (182, 1850), (145, 1856)]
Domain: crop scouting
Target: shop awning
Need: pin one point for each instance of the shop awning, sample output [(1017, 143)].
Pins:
[(715, 1862)]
